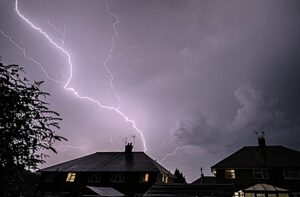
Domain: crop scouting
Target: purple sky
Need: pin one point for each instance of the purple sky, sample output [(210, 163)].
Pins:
[(199, 76)]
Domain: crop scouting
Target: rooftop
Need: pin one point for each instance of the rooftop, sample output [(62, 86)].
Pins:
[(258, 156), (205, 180), (110, 162)]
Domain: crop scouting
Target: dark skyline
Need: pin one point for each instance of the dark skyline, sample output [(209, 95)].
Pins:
[(198, 75)]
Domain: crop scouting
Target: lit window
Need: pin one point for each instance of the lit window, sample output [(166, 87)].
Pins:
[(214, 171), (239, 194), (283, 195), (49, 178), (260, 195), (144, 178), (249, 195), (260, 174), (229, 174), (164, 178), (292, 173), (117, 178), (71, 177), (94, 178)]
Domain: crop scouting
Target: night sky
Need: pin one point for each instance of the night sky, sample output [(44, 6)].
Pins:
[(197, 77)]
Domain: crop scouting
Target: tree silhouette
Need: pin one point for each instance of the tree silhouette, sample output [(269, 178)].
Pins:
[(27, 126), (180, 177)]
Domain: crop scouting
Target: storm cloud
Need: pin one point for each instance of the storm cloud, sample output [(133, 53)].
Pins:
[(200, 75), (255, 113)]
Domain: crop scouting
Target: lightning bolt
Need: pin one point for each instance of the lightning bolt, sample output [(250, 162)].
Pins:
[(27, 57), (173, 153), (109, 56), (69, 60), (62, 33)]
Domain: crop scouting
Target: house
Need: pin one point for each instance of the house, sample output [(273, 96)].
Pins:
[(124, 173), (260, 170), (205, 180), (204, 186)]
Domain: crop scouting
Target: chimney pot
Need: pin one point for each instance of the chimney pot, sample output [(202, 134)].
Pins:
[(128, 148), (261, 141)]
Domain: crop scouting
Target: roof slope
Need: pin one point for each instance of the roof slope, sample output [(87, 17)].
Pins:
[(105, 191), (259, 157), (262, 187), (205, 180), (110, 162)]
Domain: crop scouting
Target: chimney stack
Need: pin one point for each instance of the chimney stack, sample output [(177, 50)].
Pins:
[(128, 148), (261, 141)]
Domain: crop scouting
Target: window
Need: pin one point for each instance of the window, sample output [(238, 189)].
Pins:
[(239, 194), (283, 195), (117, 178), (260, 195), (260, 174), (295, 194), (249, 195), (71, 177), (164, 178), (292, 173), (144, 178), (230, 174), (49, 178), (94, 178), (214, 171)]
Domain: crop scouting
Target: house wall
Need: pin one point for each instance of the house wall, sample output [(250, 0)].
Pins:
[(132, 182), (244, 179)]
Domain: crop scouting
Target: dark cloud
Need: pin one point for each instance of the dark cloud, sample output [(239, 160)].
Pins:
[(255, 113), (195, 131)]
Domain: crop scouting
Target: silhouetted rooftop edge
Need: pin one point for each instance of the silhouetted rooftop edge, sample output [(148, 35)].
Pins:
[(109, 162), (257, 156)]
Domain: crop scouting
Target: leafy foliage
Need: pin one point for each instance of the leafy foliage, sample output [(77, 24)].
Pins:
[(27, 125), (180, 177)]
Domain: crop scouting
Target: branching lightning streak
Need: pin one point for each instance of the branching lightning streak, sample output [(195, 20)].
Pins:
[(27, 57), (69, 59), (172, 153), (116, 34), (62, 33)]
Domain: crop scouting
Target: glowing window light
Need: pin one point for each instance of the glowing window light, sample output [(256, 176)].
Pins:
[(146, 177), (71, 177), (230, 174)]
